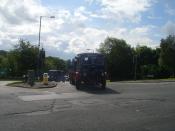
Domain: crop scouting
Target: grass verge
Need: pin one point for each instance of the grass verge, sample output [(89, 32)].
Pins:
[(14, 83)]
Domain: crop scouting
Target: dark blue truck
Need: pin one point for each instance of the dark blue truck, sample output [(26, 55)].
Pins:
[(88, 69)]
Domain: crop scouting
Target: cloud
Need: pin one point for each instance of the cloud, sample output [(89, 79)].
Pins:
[(87, 38), (80, 14), (19, 18), (169, 28), (140, 35), (135, 36), (72, 31), (92, 37), (153, 17), (20, 11), (123, 9), (169, 10)]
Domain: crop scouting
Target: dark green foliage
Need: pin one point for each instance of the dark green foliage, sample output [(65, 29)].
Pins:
[(147, 55), (119, 58), (167, 54), (24, 57), (3, 53), (141, 62), (122, 60), (3, 65), (54, 63), (147, 62)]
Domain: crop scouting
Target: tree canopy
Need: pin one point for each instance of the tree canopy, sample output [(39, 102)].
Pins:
[(54, 63), (123, 62), (119, 57), (167, 54), (141, 62), (25, 56)]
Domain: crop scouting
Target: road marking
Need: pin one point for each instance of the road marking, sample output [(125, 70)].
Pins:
[(51, 96)]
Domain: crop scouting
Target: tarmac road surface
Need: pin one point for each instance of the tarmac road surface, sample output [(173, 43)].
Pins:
[(121, 107)]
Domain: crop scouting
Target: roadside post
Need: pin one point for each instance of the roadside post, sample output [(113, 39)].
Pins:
[(31, 77), (45, 78)]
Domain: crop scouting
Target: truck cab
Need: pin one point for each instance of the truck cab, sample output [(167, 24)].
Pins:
[(88, 69)]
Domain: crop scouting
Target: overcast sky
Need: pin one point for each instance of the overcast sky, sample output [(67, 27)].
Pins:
[(84, 24)]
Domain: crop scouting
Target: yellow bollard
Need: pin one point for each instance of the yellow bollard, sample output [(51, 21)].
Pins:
[(45, 78)]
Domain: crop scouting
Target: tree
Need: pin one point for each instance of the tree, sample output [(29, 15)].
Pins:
[(147, 61), (54, 63), (25, 56), (3, 53), (12, 64), (22, 58), (3, 66), (3, 61), (146, 55), (167, 54), (119, 57)]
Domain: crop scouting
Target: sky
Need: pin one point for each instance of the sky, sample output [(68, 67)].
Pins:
[(84, 24)]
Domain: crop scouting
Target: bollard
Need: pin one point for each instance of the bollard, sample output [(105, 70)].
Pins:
[(31, 77), (45, 78)]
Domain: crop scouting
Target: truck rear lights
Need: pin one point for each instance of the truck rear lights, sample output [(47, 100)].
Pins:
[(77, 75)]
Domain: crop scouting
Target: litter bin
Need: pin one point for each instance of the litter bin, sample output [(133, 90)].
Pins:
[(45, 78)]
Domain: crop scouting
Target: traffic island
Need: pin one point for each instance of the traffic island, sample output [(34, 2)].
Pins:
[(37, 85)]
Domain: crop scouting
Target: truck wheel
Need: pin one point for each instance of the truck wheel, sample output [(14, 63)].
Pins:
[(77, 84), (73, 82), (103, 84)]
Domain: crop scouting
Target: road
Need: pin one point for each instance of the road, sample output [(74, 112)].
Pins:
[(121, 107)]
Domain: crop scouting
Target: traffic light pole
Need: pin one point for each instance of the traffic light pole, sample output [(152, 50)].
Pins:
[(38, 57)]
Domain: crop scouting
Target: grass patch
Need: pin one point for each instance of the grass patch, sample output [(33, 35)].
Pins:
[(108, 81), (10, 80), (163, 79), (14, 83), (168, 79), (145, 80)]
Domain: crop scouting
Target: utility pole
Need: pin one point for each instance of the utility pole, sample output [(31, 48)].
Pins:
[(38, 56), (39, 44), (39, 32), (135, 67)]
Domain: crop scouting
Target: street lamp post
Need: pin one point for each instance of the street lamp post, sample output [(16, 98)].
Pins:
[(39, 43), (135, 63), (39, 32), (135, 67), (40, 28)]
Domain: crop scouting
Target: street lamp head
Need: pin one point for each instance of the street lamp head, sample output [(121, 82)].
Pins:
[(52, 16), (48, 16), (90, 50)]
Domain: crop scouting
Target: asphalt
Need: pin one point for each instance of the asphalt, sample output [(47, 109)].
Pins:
[(121, 107)]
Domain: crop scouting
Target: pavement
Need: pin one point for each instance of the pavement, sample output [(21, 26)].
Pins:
[(121, 107)]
